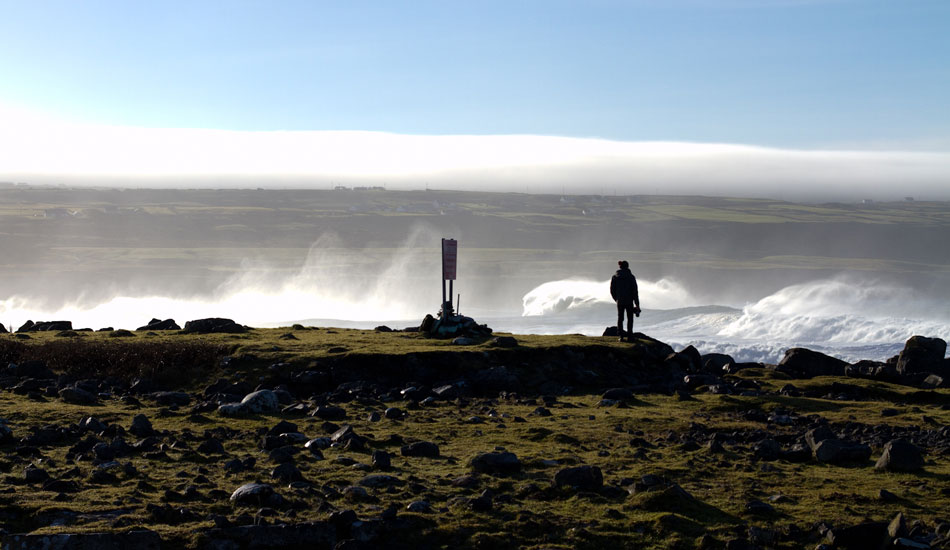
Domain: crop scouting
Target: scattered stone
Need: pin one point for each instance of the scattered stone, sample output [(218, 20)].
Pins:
[(382, 460), (900, 456), (421, 449), (419, 507), (504, 342), (262, 401), (584, 478), (252, 494), (141, 427), (329, 412), (496, 463), (77, 396)]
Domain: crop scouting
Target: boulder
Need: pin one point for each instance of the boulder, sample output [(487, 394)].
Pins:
[(864, 536), (496, 463), (77, 396), (141, 427), (44, 326), (504, 342), (214, 325), (922, 354), (836, 451), (900, 456), (156, 324), (816, 435), (171, 398), (807, 364), (934, 381), (329, 412), (714, 362), (583, 478), (421, 449), (261, 401), (3, 329), (253, 494)]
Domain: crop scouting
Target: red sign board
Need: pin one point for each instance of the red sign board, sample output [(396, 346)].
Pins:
[(449, 258)]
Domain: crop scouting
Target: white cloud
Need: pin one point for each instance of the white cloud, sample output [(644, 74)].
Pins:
[(40, 149)]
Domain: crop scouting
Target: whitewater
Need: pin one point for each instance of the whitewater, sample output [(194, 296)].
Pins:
[(844, 316)]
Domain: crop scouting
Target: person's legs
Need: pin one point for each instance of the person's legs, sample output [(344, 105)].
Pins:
[(630, 319), (620, 310)]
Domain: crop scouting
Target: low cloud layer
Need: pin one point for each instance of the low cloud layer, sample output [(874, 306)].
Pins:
[(41, 150)]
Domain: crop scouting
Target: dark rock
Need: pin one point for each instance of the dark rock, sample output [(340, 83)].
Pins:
[(816, 435), (171, 398), (32, 474), (287, 473), (886, 496), (211, 446), (419, 507), (807, 363), (77, 396), (757, 507), (618, 394), (141, 427), (584, 478), (421, 449), (900, 456), (496, 463), (836, 451), (504, 342), (767, 449), (214, 325), (382, 460), (121, 333), (282, 427), (863, 536), (922, 354), (156, 324), (329, 412), (44, 326), (394, 413)]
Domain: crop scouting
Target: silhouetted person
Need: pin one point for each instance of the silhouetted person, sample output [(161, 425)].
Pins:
[(623, 289)]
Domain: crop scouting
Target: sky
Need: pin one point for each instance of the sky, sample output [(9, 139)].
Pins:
[(784, 76)]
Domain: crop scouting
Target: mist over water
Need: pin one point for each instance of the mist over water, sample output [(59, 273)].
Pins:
[(333, 282), (335, 285)]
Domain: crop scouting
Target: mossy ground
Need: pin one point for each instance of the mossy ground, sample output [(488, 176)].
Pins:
[(578, 432)]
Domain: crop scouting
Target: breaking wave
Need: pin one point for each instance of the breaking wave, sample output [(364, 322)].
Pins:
[(847, 317)]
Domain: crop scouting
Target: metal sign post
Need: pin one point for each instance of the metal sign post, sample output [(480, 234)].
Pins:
[(449, 263)]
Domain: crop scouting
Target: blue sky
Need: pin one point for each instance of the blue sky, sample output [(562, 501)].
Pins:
[(783, 73)]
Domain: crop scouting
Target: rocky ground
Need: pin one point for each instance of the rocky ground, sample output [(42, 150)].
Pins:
[(249, 438)]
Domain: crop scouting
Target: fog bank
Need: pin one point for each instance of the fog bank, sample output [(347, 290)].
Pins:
[(39, 150)]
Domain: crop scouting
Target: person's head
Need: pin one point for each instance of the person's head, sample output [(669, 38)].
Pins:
[(623, 264)]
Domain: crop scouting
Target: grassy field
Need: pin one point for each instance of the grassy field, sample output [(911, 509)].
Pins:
[(663, 435)]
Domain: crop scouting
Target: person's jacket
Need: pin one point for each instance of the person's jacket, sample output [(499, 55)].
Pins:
[(623, 287)]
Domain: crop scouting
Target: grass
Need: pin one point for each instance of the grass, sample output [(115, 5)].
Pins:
[(535, 513)]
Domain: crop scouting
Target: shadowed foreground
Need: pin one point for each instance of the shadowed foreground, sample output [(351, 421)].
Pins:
[(325, 438)]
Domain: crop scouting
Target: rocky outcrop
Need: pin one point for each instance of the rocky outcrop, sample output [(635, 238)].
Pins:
[(805, 363), (157, 324), (214, 325), (44, 326), (922, 354)]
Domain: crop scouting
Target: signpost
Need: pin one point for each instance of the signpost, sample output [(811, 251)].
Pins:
[(449, 263)]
